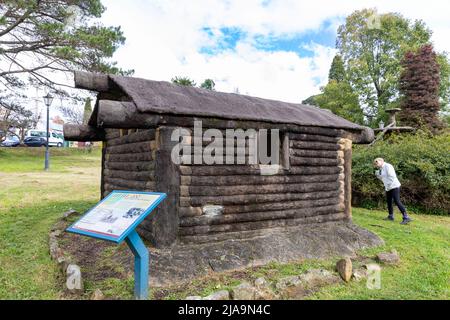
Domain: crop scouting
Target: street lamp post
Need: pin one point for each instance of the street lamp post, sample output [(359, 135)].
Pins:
[(48, 99)]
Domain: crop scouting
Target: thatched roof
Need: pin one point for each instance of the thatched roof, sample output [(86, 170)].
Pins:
[(167, 98), (127, 102)]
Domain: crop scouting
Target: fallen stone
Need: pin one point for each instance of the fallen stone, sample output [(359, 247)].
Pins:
[(285, 282), (74, 282), (308, 283), (265, 294), (97, 295), (194, 298), (55, 233), (388, 257), (219, 295), (263, 290), (68, 213), (261, 283), (318, 277), (244, 291), (344, 268), (53, 249), (59, 256)]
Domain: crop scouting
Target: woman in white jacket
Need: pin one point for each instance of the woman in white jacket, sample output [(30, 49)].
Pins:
[(386, 173)]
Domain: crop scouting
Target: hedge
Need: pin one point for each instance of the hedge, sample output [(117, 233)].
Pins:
[(422, 164)]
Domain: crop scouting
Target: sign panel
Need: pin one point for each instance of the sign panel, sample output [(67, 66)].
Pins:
[(117, 215)]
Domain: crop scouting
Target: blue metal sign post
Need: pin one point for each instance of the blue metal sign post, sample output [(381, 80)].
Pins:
[(141, 265), (115, 219)]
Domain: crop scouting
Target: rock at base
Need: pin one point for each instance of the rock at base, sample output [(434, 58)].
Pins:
[(310, 282), (261, 283), (286, 282), (263, 290), (244, 291), (68, 213), (388, 257), (345, 269), (219, 295), (318, 277), (193, 298)]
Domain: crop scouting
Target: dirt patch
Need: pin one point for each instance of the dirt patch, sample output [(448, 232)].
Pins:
[(99, 260)]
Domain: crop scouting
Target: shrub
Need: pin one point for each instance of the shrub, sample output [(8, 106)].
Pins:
[(422, 164)]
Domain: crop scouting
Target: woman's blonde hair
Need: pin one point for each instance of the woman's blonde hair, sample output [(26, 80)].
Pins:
[(378, 159)]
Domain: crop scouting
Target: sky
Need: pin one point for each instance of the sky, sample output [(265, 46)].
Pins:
[(276, 49)]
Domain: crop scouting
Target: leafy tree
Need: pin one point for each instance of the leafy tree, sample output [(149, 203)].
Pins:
[(311, 100), (41, 37), (338, 95), (339, 98), (371, 46), (208, 84), (444, 85), (337, 70), (184, 81), (419, 85), (87, 110)]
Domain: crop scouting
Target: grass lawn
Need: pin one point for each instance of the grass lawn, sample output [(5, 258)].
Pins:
[(31, 200)]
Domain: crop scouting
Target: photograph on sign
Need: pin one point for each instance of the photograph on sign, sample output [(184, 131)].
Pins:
[(114, 215)]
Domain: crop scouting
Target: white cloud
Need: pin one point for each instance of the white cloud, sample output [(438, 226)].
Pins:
[(164, 39)]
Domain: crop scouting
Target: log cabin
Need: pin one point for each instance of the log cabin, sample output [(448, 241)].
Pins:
[(136, 119)]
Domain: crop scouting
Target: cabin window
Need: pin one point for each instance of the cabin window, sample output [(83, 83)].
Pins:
[(268, 147), (284, 151), (273, 150)]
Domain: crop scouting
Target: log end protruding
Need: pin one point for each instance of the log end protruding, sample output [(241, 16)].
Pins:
[(367, 136), (91, 81), (74, 132), (119, 114), (364, 136)]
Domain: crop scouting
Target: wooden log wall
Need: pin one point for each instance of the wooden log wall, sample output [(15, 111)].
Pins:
[(128, 160), (311, 189)]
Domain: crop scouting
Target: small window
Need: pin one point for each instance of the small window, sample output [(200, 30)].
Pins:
[(268, 147), (284, 151), (273, 148)]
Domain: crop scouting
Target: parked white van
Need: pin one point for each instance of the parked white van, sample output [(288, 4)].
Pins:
[(55, 139)]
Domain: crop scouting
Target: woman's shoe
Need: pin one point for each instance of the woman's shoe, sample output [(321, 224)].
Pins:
[(406, 220)]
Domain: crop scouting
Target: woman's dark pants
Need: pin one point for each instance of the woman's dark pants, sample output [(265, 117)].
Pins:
[(394, 195)]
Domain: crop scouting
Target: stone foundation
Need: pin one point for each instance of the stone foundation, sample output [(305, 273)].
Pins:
[(184, 262)]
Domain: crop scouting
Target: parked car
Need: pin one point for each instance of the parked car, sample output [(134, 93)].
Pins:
[(11, 141), (35, 141), (55, 139)]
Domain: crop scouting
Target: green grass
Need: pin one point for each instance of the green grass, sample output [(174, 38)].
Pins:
[(424, 271), (32, 200), (32, 159)]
